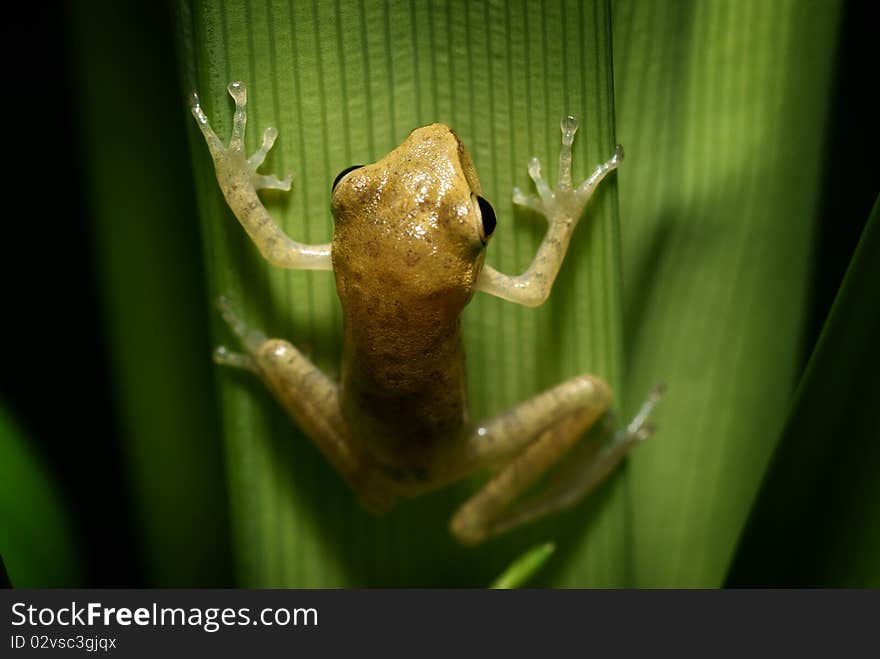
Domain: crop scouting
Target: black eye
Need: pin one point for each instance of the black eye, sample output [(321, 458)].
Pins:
[(343, 173), (488, 216)]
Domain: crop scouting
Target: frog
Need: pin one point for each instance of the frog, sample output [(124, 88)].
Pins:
[(408, 250)]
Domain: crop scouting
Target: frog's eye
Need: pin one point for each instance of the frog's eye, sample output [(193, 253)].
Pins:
[(488, 215), (342, 174)]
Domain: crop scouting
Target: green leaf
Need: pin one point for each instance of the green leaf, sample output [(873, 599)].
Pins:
[(139, 191), (345, 83), (37, 543), (524, 568), (722, 108), (817, 520)]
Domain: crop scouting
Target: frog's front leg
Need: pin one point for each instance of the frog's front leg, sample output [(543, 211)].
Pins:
[(239, 181), (562, 208), (311, 398), (527, 441)]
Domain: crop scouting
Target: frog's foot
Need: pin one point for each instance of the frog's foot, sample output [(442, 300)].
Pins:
[(251, 339), (225, 357), (640, 428), (566, 202), (231, 159)]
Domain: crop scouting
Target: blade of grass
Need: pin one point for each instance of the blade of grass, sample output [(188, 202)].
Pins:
[(525, 567), (345, 83), (722, 107), (817, 519), (38, 545), (146, 240)]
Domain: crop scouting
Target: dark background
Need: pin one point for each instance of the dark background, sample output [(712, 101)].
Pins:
[(56, 378)]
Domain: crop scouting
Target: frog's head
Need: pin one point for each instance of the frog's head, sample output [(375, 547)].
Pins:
[(412, 227)]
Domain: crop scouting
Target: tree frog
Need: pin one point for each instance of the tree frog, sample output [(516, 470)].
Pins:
[(408, 248)]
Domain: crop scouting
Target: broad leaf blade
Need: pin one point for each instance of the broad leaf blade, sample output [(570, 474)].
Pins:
[(344, 84), (148, 258), (817, 520), (722, 107)]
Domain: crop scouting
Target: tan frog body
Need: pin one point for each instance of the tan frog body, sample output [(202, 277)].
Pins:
[(407, 253), (407, 248)]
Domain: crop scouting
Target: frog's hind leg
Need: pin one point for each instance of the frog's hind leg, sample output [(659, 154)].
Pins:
[(311, 398), (581, 473), (528, 440)]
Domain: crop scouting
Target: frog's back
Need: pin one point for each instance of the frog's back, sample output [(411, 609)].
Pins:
[(403, 382), (406, 261)]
